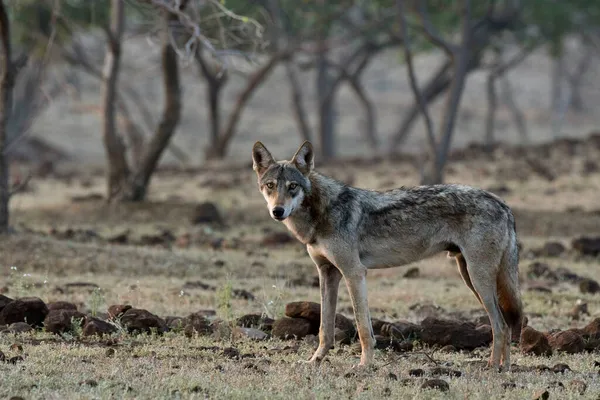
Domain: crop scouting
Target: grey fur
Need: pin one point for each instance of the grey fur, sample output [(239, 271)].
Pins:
[(352, 230)]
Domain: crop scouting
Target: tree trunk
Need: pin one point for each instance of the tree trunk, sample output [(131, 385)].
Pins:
[(518, 116), (490, 119), (170, 119), (118, 170), (326, 110), (7, 82), (576, 79), (296, 101), (371, 125)]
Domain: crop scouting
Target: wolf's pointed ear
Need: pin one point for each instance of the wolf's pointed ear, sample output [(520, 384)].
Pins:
[(261, 158), (304, 158)]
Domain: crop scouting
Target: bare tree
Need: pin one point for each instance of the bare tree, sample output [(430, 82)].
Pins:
[(10, 70)]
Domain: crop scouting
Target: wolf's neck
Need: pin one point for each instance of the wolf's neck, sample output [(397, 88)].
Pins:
[(312, 218)]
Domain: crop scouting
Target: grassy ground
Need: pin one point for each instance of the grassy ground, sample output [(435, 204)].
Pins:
[(36, 263)]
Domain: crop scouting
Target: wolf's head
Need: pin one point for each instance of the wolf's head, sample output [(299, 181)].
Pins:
[(283, 183)]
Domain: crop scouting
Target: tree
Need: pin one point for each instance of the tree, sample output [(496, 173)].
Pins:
[(10, 70)]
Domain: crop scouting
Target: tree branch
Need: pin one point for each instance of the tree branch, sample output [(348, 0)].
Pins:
[(432, 34)]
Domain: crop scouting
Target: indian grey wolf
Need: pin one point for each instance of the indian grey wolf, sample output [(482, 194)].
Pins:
[(348, 230)]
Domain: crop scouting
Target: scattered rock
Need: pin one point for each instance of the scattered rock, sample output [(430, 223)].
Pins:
[(411, 273), (19, 327), (60, 321), (197, 324), (560, 368), (442, 371), (4, 301), (400, 330), (588, 285), (97, 327), (89, 382), (581, 308), (448, 349), (541, 270), (587, 245), (290, 328), (117, 310), (592, 330), (174, 322), (539, 287), (251, 333), (566, 341), (541, 395), (312, 312), (534, 342), (276, 239), (257, 321), (198, 285), (578, 385), (119, 238), (416, 372), (550, 249), (427, 310), (27, 309), (384, 343), (242, 294), (437, 384), (565, 274), (82, 285), (508, 385), (231, 352), (461, 335), (142, 321), (206, 213), (61, 305)]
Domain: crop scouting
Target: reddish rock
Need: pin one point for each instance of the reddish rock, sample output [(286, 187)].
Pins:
[(567, 341), (311, 311), (31, 310), (60, 321), (117, 310), (206, 213), (61, 305), (462, 335), (534, 342), (197, 324), (291, 328), (142, 321), (587, 245), (4, 301), (97, 327)]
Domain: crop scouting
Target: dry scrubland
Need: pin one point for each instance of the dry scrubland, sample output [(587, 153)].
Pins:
[(170, 258)]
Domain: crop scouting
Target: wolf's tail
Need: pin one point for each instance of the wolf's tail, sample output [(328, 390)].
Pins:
[(507, 284)]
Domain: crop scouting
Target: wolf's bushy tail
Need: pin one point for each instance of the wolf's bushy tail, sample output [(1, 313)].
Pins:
[(509, 297)]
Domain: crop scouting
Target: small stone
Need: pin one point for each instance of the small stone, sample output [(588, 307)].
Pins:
[(416, 372), (590, 286), (560, 368), (437, 384), (19, 327)]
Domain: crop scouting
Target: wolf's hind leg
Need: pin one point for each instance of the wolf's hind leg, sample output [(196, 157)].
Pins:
[(483, 274), (462, 269)]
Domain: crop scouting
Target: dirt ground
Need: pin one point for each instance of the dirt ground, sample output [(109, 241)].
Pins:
[(71, 246)]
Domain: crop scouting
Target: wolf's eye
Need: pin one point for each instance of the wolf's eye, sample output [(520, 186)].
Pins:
[(270, 185), (293, 186)]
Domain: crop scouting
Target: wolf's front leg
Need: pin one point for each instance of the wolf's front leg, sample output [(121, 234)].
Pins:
[(329, 281), (356, 281)]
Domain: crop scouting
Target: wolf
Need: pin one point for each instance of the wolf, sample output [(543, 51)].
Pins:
[(349, 230)]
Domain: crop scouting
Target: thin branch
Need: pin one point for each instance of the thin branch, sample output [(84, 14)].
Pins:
[(413, 79), (432, 34)]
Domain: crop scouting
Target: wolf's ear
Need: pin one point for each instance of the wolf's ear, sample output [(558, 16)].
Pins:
[(304, 158), (261, 158)]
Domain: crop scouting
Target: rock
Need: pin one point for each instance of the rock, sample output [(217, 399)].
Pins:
[(448, 349), (551, 249), (60, 321), (592, 330), (416, 372), (19, 327), (461, 335), (400, 330), (250, 333), (411, 273), (589, 246), (588, 285), (508, 385), (534, 342), (31, 310), (578, 385), (257, 321), (541, 270), (567, 341), (197, 324), (541, 395), (560, 368), (342, 337), (437, 384), (61, 305), (97, 327), (580, 309), (291, 328), (4, 301), (565, 274), (312, 312), (242, 294), (276, 239), (142, 321), (206, 213), (539, 287), (174, 322), (377, 325), (117, 310), (384, 343), (443, 371)]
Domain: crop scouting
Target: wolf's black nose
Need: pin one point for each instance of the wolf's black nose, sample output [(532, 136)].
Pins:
[(278, 212)]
